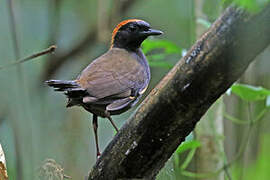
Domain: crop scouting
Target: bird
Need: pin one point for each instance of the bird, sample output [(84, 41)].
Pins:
[(114, 82)]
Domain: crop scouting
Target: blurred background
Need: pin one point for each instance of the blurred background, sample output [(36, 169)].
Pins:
[(35, 125)]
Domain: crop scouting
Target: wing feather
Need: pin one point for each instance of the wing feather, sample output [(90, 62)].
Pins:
[(114, 73)]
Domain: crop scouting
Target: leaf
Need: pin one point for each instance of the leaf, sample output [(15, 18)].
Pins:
[(169, 47), (156, 57), (250, 93), (252, 6), (193, 144), (160, 64)]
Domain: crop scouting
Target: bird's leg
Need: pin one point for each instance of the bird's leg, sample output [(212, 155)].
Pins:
[(95, 127), (115, 127)]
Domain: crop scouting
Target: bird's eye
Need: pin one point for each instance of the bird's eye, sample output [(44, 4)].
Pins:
[(145, 28), (133, 28)]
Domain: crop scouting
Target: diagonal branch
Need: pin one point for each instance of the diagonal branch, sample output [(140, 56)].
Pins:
[(173, 108)]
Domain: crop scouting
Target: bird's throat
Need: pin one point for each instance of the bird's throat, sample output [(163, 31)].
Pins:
[(129, 45)]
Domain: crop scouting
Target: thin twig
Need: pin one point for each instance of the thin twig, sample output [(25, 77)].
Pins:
[(51, 49), (20, 82)]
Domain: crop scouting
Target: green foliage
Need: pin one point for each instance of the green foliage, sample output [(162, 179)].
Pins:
[(168, 46), (250, 5), (247, 93), (157, 52), (193, 144), (250, 93), (190, 146), (259, 168), (259, 116), (160, 64)]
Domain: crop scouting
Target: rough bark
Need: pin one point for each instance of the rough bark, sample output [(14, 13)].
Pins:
[(171, 111), (209, 157)]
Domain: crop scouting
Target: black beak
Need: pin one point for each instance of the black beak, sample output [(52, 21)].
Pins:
[(152, 32)]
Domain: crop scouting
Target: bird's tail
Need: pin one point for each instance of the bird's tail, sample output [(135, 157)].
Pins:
[(71, 89), (62, 85)]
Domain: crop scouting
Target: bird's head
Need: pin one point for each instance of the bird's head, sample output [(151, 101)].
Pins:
[(129, 34)]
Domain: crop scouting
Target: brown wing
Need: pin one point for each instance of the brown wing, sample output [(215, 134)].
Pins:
[(114, 73)]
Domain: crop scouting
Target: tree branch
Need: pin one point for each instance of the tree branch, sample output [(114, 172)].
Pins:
[(172, 109)]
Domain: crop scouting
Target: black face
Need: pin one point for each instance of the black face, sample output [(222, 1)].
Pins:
[(131, 35)]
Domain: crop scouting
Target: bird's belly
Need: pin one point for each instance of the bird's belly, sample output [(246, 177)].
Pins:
[(124, 108), (101, 109)]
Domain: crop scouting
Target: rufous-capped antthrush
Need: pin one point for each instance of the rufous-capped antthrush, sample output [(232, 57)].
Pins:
[(115, 81)]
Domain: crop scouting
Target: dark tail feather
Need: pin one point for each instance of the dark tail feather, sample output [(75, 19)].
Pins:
[(72, 90), (62, 85)]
